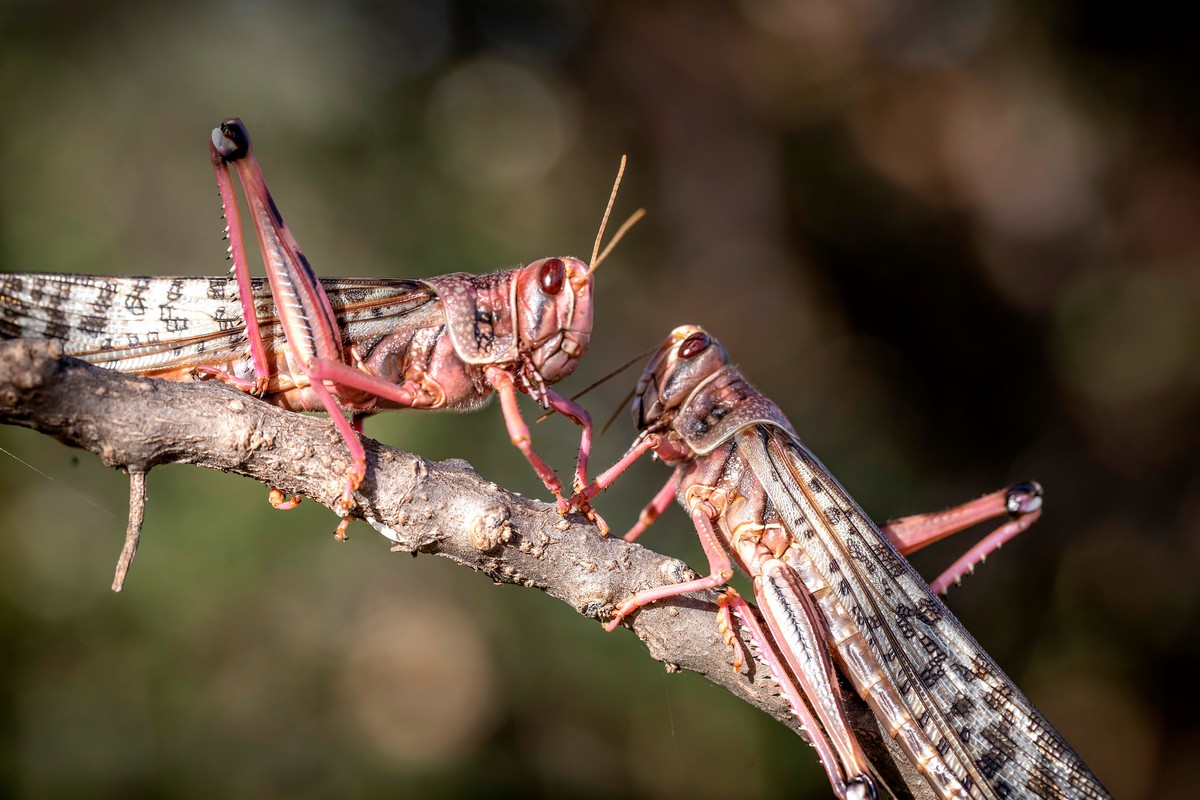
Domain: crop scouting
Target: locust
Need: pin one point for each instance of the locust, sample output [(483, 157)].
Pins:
[(352, 346), (835, 595)]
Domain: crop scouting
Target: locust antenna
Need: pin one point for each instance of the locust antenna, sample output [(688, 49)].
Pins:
[(612, 198), (621, 231), (605, 380), (617, 411), (598, 256)]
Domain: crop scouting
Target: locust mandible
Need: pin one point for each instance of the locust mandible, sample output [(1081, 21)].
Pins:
[(340, 345), (834, 591)]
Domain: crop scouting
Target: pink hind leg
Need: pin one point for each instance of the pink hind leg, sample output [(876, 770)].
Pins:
[(1021, 501)]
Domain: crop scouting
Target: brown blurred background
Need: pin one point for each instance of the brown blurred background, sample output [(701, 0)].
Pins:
[(956, 241)]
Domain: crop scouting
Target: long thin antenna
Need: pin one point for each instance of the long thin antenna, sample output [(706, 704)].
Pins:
[(617, 411), (604, 380), (621, 231), (612, 198)]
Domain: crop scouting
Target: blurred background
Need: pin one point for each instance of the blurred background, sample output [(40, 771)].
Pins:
[(956, 241)]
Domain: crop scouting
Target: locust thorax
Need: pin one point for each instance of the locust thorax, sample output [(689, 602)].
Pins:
[(687, 359), (553, 308)]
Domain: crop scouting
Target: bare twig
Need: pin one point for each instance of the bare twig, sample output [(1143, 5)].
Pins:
[(133, 532), (445, 508)]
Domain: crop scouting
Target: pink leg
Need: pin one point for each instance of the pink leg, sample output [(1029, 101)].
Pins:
[(979, 553), (310, 326), (803, 636), (348, 377), (582, 499), (576, 413), (726, 624), (655, 507), (720, 571), (241, 271), (358, 456), (1021, 501), (518, 431), (735, 608), (343, 375), (276, 498), (280, 501), (225, 376), (610, 475)]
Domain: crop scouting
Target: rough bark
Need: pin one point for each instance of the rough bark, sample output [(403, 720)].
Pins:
[(135, 423)]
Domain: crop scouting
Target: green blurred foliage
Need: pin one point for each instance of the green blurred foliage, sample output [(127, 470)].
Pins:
[(957, 242)]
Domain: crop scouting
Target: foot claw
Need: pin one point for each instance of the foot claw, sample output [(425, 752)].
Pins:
[(277, 499), (581, 503), (625, 609), (346, 502)]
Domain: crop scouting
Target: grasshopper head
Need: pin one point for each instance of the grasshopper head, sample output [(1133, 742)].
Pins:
[(687, 358), (554, 316)]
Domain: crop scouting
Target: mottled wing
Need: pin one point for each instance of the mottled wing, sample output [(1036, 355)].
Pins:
[(150, 324), (986, 730)]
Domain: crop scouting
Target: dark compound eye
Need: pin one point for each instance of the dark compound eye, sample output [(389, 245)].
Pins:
[(554, 271), (694, 345)]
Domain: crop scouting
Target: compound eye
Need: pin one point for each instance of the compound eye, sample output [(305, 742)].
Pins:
[(694, 345), (554, 272)]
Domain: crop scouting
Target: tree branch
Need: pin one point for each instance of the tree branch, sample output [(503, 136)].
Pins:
[(136, 423)]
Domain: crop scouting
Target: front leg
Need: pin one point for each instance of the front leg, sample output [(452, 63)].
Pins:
[(582, 499), (577, 414), (518, 432)]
